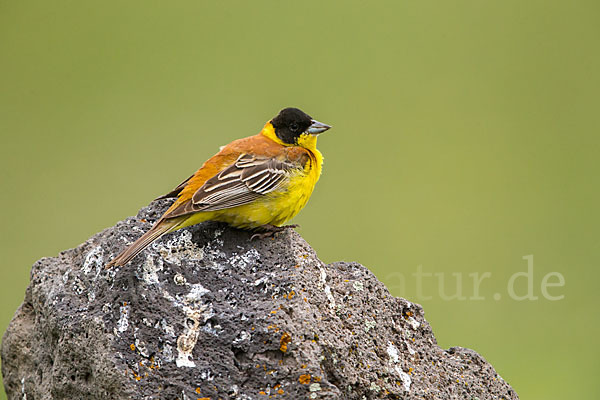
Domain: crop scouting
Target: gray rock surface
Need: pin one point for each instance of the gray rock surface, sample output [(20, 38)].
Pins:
[(206, 313)]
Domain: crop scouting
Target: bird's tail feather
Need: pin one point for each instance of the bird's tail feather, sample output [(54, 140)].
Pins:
[(161, 228)]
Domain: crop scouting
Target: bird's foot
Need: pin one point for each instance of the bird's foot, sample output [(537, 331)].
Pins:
[(269, 230)]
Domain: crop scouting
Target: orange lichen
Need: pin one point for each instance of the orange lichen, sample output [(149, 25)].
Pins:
[(286, 339), (136, 376), (316, 378), (152, 364), (304, 379), (262, 392), (280, 391), (132, 347), (198, 390)]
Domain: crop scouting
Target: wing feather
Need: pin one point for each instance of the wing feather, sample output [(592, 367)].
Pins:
[(247, 179)]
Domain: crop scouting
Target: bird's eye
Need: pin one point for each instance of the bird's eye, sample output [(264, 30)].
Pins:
[(294, 127)]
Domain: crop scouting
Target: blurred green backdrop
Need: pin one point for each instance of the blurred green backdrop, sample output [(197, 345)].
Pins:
[(465, 138)]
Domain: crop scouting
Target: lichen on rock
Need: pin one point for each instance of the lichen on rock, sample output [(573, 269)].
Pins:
[(207, 313)]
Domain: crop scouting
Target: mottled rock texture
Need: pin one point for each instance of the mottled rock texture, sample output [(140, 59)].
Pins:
[(207, 313)]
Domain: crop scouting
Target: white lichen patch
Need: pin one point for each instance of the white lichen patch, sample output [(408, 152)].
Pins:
[(314, 387), (213, 330), (358, 286), (327, 288), (241, 261), (196, 293), (141, 347), (179, 279), (369, 325), (167, 353), (168, 329), (214, 256), (244, 336), (404, 378), (413, 323), (207, 375), (78, 285), (259, 281), (93, 260), (187, 340), (375, 387), (178, 247), (123, 322), (393, 353), (150, 270), (195, 315)]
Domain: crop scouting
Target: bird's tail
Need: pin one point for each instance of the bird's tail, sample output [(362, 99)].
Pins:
[(160, 228)]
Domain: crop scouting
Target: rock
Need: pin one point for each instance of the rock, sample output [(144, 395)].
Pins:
[(205, 313)]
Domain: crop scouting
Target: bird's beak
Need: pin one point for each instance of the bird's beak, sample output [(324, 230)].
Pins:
[(317, 127)]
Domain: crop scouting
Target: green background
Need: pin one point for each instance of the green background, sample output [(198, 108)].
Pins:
[(465, 138)]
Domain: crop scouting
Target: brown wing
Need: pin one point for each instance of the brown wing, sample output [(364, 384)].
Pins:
[(246, 180)]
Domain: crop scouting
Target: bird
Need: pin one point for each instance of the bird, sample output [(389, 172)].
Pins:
[(257, 183)]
